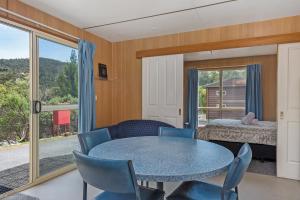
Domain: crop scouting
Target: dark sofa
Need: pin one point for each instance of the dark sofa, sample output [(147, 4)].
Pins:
[(136, 128)]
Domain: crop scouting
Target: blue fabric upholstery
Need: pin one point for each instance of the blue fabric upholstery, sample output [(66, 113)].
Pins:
[(177, 132), (192, 106), (136, 128), (115, 177), (92, 138), (206, 191), (238, 167), (254, 101), (87, 116)]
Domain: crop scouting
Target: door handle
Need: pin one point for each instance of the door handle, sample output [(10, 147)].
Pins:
[(179, 111), (281, 115), (36, 107)]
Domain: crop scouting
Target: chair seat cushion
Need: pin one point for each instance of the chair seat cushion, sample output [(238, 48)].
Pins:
[(193, 190), (146, 194)]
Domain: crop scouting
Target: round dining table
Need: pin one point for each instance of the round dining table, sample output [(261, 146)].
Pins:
[(167, 159)]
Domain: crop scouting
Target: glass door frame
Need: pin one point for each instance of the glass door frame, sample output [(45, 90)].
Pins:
[(35, 97), (34, 178)]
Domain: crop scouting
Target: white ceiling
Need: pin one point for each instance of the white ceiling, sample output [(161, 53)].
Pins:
[(232, 53), (86, 13)]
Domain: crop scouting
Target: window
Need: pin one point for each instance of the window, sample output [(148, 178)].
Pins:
[(231, 83)]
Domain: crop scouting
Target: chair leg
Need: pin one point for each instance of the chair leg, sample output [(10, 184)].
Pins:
[(237, 192), (84, 191), (142, 183), (222, 195), (147, 184), (160, 186)]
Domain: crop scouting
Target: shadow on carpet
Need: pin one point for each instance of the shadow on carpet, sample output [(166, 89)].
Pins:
[(263, 167)]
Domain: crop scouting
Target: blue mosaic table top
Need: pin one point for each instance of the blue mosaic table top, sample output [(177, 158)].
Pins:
[(167, 159)]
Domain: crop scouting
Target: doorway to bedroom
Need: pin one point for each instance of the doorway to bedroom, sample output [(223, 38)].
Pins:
[(223, 116)]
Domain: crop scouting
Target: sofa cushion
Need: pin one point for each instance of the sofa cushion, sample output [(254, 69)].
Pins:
[(136, 128)]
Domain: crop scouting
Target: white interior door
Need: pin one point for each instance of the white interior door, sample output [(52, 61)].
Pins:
[(288, 148), (163, 89)]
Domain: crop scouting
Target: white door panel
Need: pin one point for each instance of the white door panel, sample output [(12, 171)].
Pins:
[(163, 89), (288, 141)]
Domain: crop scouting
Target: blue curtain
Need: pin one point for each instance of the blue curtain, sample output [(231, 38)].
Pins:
[(192, 110), (87, 116), (254, 102)]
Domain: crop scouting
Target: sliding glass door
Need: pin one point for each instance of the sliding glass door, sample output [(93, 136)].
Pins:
[(14, 107), (58, 104), (38, 106)]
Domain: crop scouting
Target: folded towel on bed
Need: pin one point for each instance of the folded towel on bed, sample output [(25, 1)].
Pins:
[(249, 119)]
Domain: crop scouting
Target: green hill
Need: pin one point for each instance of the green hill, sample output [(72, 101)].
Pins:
[(21, 65), (11, 69)]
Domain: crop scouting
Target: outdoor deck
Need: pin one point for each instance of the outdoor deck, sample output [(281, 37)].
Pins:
[(54, 154)]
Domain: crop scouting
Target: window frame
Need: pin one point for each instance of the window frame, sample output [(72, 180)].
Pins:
[(221, 91)]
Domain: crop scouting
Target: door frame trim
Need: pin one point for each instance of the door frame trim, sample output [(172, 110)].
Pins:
[(226, 44)]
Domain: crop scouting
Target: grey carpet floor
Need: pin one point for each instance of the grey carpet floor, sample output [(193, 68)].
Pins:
[(265, 168)]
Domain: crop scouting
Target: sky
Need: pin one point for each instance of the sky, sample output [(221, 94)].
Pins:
[(14, 43)]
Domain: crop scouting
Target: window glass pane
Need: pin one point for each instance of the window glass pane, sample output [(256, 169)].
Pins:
[(14, 108), (57, 141), (208, 94), (234, 93), (58, 92), (58, 73), (208, 88)]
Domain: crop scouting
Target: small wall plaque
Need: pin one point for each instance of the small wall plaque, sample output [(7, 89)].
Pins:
[(102, 71)]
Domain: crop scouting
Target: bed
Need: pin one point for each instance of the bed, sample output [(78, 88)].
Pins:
[(232, 134)]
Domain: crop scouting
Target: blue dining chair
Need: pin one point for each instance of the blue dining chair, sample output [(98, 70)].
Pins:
[(176, 132), (207, 191), (91, 139), (116, 177)]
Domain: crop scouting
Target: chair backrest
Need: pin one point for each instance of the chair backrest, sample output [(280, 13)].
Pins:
[(238, 168), (109, 175), (136, 128), (177, 132), (91, 139)]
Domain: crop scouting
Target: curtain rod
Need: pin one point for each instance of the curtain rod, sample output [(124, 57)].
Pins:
[(38, 23), (220, 67)]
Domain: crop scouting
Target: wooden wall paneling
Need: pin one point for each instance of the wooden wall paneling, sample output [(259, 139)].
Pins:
[(42, 17), (132, 91), (3, 4), (256, 29), (269, 77), (239, 31), (118, 63), (237, 43)]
